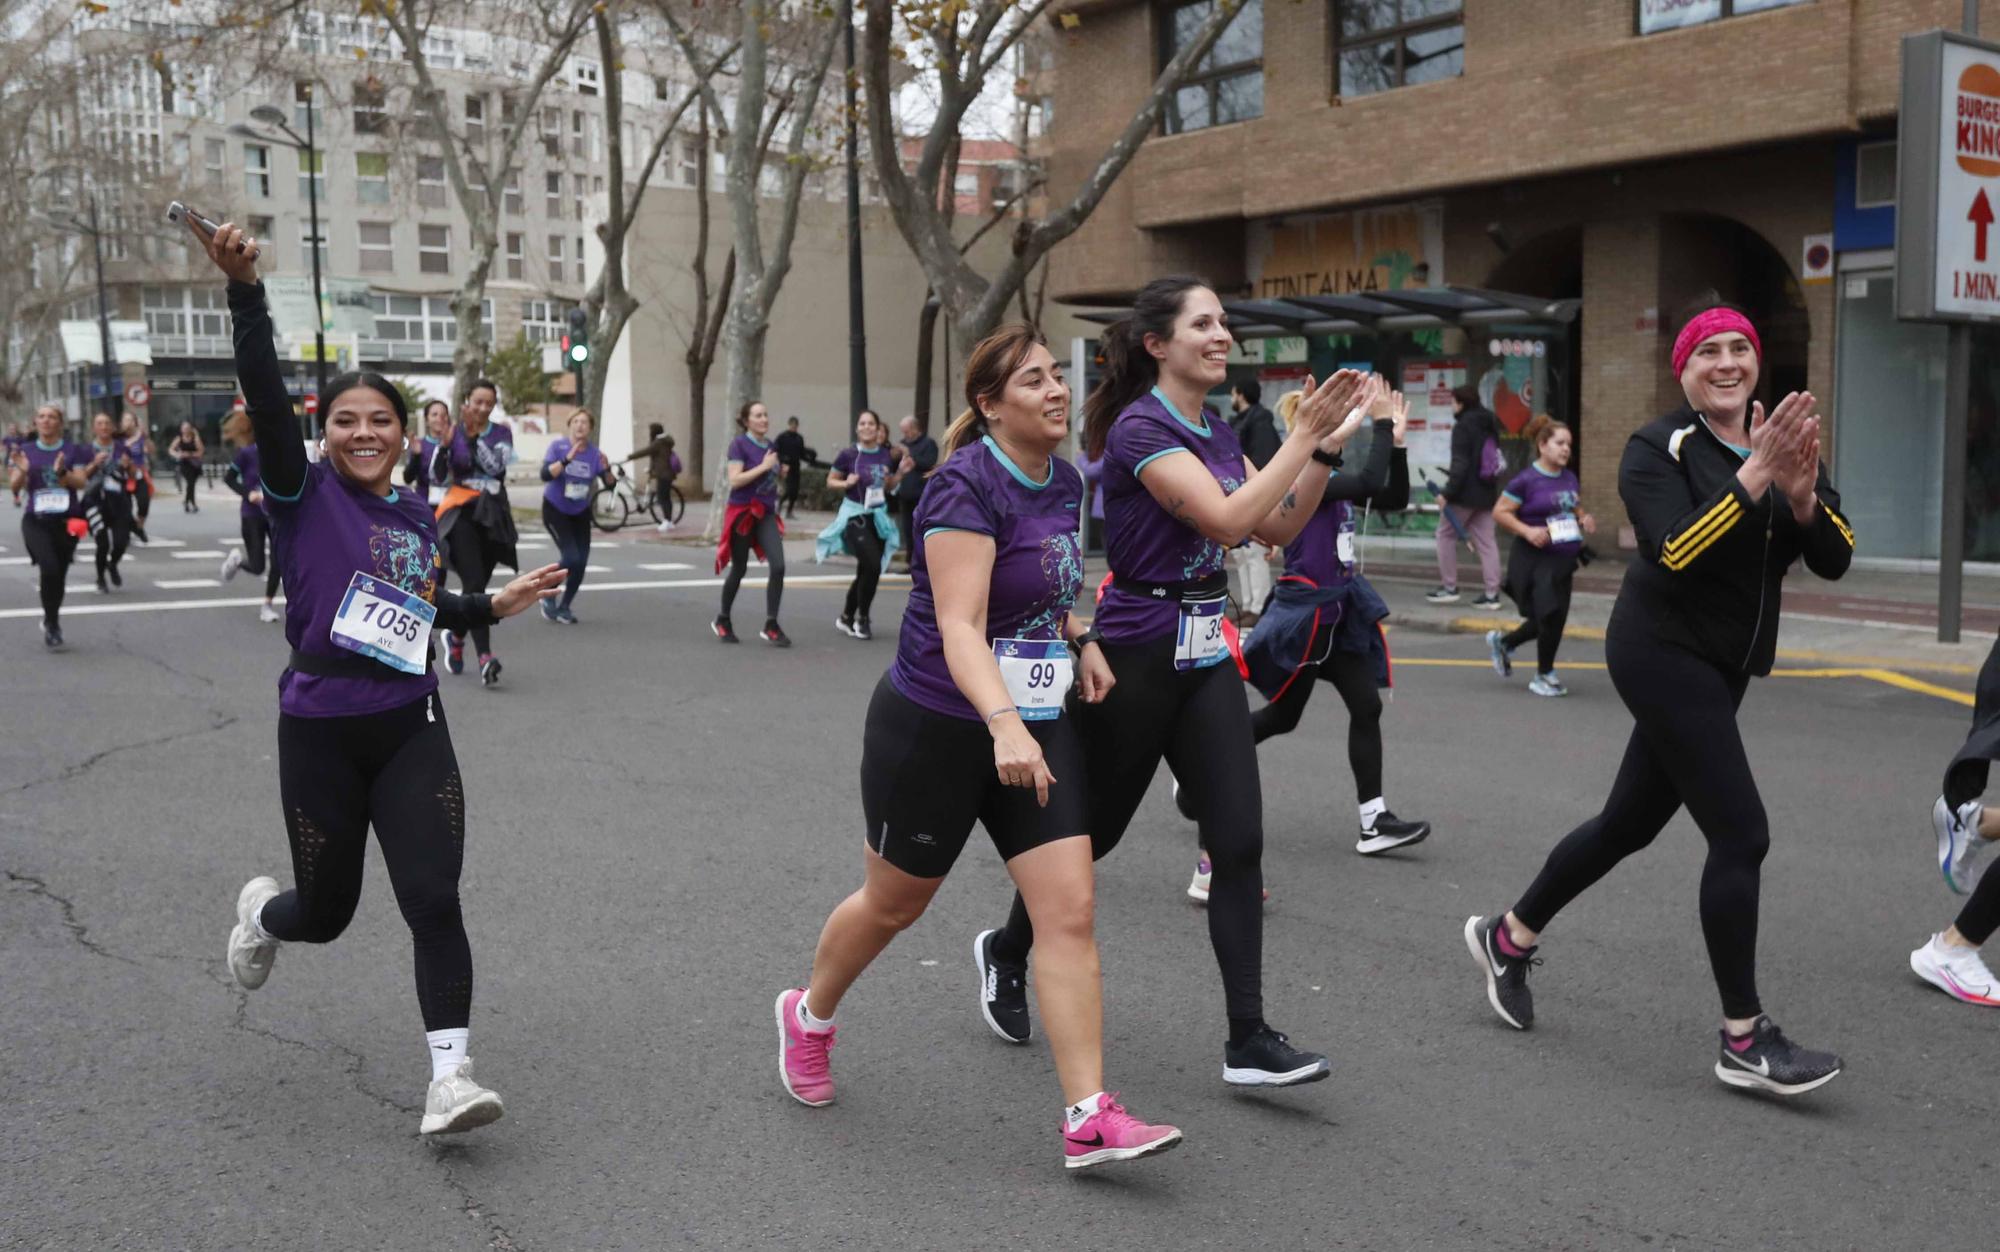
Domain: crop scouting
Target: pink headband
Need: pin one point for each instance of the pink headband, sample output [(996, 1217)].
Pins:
[(1706, 324)]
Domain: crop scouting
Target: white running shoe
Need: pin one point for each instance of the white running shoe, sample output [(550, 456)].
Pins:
[(1496, 648), (1958, 972), (1547, 685), (232, 563), (1959, 843), (268, 612), (1198, 889), (251, 958), (457, 1104)]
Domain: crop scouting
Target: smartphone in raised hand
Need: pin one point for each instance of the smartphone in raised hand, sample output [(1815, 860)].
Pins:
[(178, 213)]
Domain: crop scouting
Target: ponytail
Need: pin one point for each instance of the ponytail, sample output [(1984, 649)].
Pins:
[(964, 429), (1129, 370)]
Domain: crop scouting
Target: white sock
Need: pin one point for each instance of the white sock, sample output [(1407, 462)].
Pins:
[(447, 1050), (257, 924), (1372, 810), (807, 1020), (1083, 1110)]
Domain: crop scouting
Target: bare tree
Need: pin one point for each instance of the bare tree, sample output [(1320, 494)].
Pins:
[(479, 170), (967, 41), (709, 311)]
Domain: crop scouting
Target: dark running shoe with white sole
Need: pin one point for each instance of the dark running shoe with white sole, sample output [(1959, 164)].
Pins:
[(1267, 1059), (1506, 976), (1003, 992), (1774, 1063), (1389, 831)]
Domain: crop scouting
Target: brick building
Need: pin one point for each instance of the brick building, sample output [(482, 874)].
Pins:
[(1609, 159)]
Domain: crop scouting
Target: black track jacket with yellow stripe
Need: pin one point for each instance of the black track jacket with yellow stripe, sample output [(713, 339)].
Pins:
[(1712, 561)]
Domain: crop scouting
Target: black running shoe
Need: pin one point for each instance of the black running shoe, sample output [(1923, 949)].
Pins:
[(775, 635), (1774, 1063), (1003, 992), (723, 630), (862, 630), (52, 636), (1390, 831), (117, 579), (454, 652), (102, 588), (1506, 976), (1267, 1059), (489, 672)]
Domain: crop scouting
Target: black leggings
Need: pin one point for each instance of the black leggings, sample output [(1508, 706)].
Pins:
[(473, 559), (1685, 750), (766, 536), (1540, 584), (866, 544), (256, 534), (190, 475), (142, 500), (1353, 676), (51, 547), (1199, 722), (571, 531), (115, 535), (396, 770)]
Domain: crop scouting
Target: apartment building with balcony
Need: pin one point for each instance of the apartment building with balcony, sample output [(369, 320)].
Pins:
[(1521, 194)]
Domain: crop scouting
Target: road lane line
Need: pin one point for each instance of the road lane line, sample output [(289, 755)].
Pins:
[(182, 584)]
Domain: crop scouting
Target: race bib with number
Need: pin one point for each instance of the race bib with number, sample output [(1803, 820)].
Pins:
[(576, 489), (1564, 529), (872, 498), (1199, 643), (1037, 673), (1344, 547), (51, 500), (382, 621)]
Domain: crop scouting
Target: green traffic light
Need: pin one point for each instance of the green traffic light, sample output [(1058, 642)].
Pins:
[(579, 352)]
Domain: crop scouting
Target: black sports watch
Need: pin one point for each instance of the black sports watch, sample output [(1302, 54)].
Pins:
[(1326, 458), (1093, 635)]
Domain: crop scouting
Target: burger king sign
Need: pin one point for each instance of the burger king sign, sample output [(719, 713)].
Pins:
[(1947, 244)]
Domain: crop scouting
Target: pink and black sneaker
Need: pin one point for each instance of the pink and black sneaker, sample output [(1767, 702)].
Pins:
[(803, 1064), (1105, 1133)]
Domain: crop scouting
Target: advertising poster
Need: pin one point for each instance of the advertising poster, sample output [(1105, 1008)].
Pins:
[(1428, 385)]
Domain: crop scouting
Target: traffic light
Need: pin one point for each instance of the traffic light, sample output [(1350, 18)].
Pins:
[(576, 344)]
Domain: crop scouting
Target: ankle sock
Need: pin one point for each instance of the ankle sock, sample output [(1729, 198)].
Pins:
[(1082, 1111), (1740, 1043), (447, 1048), (809, 1022), (1506, 940), (1372, 809)]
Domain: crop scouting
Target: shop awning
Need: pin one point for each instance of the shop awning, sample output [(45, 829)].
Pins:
[(1377, 312)]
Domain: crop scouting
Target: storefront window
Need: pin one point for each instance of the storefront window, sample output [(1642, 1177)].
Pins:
[(1889, 432), (1228, 84)]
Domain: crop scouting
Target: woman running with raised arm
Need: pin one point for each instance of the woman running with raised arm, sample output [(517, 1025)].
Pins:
[(245, 479), (426, 470), (1723, 501), (475, 517), (362, 738), (1178, 494), (970, 725)]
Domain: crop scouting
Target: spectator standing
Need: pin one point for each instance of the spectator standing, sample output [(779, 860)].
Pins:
[(920, 457), (792, 455), (1465, 506), (663, 464), (1257, 430)]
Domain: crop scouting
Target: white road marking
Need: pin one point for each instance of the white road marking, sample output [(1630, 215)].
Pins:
[(182, 584), (14, 560), (665, 565), (200, 554)]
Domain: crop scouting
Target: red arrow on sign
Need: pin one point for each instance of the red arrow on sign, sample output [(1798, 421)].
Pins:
[(1981, 217)]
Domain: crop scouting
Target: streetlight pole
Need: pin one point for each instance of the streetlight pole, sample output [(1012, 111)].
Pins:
[(112, 396), (319, 303), (857, 330)]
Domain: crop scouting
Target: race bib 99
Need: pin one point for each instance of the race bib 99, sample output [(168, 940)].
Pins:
[(1037, 673)]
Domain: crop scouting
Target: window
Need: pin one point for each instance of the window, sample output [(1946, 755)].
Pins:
[(659, 88), (214, 153), (1228, 84), (552, 132), (371, 177), (302, 103), (544, 321), (552, 194), (475, 120), (377, 241), (409, 322), (511, 194), (581, 277), (257, 170), (1383, 44), (1658, 15), (556, 263), (312, 174), (181, 152), (517, 257), (201, 310), (966, 184), (434, 249), (431, 191), (371, 108), (262, 228), (577, 148), (1875, 175), (690, 162), (510, 108), (309, 243), (586, 77)]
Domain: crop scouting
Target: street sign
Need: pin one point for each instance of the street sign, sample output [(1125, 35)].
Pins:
[(1948, 179), (138, 395), (312, 403)]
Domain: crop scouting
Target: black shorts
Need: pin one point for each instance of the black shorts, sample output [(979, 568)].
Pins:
[(926, 777)]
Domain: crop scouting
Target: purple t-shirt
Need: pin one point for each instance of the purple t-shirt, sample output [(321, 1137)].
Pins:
[(748, 450), (250, 472), (331, 532), (135, 447), (570, 491), (475, 462), (1037, 562), (42, 475), (1143, 541), (1317, 551), (1543, 496), (869, 469)]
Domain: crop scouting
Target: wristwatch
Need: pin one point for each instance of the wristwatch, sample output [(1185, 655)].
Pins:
[(1093, 635), (1325, 458)]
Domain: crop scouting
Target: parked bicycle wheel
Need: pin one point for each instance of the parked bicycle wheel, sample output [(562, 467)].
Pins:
[(676, 502), (609, 509)]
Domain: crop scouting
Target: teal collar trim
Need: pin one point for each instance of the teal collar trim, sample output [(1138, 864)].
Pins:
[(1202, 430), (1019, 476)]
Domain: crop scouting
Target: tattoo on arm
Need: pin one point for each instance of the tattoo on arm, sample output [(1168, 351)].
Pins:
[(1177, 508), (1290, 502)]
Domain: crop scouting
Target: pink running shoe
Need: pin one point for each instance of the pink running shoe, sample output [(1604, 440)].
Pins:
[(1112, 1134), (802, 1054)]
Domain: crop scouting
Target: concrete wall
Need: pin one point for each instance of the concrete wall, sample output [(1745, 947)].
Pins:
[(805, 366)]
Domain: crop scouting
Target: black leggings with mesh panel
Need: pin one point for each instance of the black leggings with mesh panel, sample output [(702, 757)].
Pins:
[(395, 770)]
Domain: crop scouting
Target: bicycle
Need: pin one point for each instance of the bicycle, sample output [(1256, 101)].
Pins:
[(612, 507)]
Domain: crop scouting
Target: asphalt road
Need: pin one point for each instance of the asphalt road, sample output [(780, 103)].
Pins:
[(657, 828)]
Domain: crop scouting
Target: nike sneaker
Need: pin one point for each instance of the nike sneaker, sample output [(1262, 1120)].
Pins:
[(1488, 601), (1112, 1134), (723, 630), (1959, 843), (803, 1061), (1506, 976), (1003, 992), (1503, 660), (1442, 595), (251, 956), (232, 563), (454, 652), (1956, 971), (489, 670), (774, 634), (1268, 1059), (1547, 685), (1389, 831), (456, 1104), (1767, 1061)]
